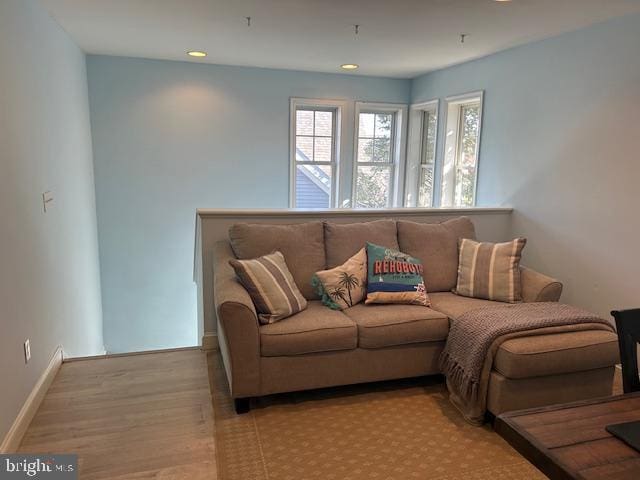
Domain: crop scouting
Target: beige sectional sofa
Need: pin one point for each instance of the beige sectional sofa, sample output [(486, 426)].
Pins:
[(320, 347)]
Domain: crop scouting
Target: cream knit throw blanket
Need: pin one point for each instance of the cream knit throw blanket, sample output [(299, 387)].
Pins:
[(475, 337)]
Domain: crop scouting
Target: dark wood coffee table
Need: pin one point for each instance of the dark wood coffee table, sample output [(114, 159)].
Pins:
[(570, 441)]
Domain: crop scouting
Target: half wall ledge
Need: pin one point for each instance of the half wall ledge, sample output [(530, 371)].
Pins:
[(493, 224)]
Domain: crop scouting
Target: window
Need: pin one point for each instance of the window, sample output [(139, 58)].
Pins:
[(374, 168), (314, 145), (357, 161), (421, 156), (462, 144), (427, 157), (378, 154)]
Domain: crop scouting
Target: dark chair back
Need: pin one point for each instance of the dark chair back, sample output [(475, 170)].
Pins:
[(628, 325)]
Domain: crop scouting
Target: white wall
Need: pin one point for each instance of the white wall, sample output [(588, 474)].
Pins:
[(560, 144), (49, 275), (170, 137)]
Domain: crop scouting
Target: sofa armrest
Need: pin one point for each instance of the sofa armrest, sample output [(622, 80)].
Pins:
[(238, 327), (537, 287)]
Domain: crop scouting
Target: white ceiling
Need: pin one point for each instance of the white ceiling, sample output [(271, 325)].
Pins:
[(398, 38)]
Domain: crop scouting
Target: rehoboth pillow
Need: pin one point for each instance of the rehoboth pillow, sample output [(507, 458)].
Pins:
[(394, 277), (343, 286), (270, 286), (490, 270)]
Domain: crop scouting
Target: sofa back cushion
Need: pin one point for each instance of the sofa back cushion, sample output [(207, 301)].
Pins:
[(436, 245), (302, 246), (342, 241)]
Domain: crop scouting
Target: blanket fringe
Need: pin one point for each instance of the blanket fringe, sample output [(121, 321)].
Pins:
[(456, 375)]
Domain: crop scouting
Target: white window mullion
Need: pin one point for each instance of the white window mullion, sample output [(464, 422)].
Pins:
[(393, 185)]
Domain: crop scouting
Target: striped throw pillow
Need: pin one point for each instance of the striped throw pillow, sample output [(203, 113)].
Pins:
[(271, 287), (490, 270)]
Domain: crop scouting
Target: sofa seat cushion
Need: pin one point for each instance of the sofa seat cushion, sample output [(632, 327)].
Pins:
[(454, 305), (302, 246), (558, 353), (382, 326), (342, 241), (316, 329)]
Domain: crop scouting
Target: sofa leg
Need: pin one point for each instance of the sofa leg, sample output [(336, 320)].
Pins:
[(241, 405)]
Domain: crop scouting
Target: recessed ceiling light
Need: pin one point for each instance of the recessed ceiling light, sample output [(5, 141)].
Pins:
[(196, 53), (502, 0), (349, 66)]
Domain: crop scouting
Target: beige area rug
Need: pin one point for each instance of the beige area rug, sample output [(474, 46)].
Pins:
[(393, 430)]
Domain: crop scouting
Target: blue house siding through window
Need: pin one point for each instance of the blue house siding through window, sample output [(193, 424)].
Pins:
[(313, 185), (308, 193)]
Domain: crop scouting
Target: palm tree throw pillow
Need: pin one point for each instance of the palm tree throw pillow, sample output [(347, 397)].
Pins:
[(344, 286), (394, 277)]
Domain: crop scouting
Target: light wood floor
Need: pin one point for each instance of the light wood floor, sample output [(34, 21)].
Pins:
[(132, 417)]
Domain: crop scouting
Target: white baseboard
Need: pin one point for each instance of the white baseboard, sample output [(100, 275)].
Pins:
[(128, 354), (210, 341), (14, 436)]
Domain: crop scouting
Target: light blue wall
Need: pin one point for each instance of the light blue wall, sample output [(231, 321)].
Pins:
[(173, 136), (49, 273), (560, 144)]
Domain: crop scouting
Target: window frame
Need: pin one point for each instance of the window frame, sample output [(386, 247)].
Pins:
[(415, 151), (337, 106), (398, 150), (458, 101)]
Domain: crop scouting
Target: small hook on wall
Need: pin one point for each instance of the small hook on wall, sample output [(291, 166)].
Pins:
[(463, 37), (248, 21)]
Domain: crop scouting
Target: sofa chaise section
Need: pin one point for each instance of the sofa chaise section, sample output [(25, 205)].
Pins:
[(542, 369)]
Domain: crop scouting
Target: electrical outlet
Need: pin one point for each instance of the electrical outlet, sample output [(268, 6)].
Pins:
[(27, 351)]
